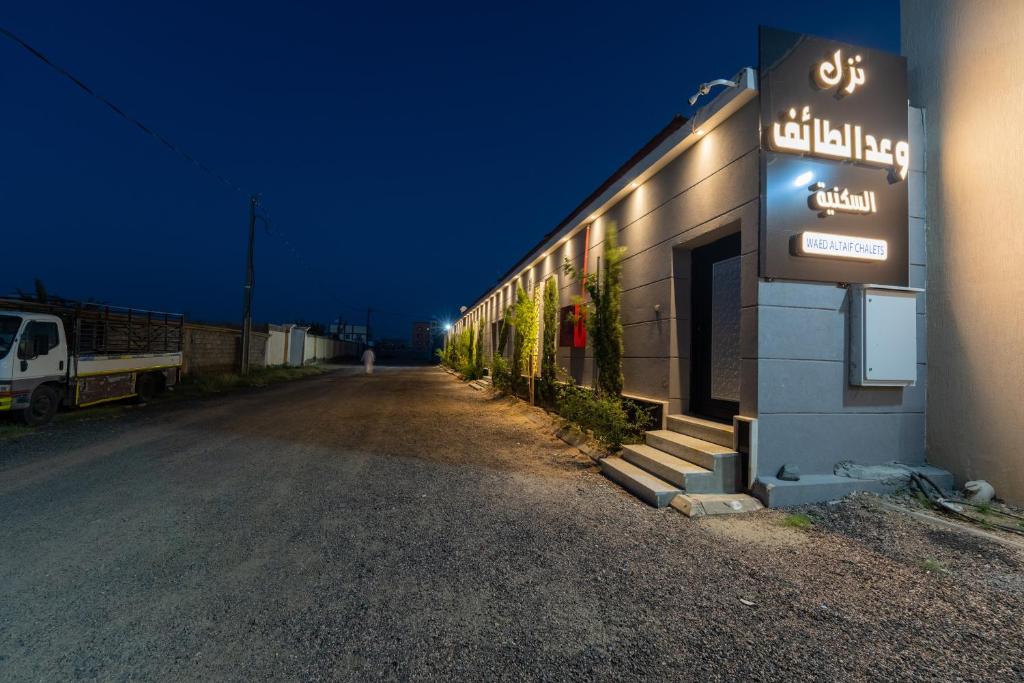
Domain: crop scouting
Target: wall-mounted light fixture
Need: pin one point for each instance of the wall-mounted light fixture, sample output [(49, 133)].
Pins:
[(705, 88)]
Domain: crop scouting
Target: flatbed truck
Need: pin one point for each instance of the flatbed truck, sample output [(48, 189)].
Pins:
[(82, 354)]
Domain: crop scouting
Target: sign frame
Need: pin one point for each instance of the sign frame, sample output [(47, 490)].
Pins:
[(834, 158)]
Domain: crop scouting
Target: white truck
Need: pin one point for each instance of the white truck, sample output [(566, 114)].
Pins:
[(82, 354)]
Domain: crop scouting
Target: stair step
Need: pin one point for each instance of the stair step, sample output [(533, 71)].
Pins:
[(725, 464), (697, 451), (682, 473), (643, 485), (699, 428)]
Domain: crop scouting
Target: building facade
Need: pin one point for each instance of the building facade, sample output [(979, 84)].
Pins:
[(966, 60), (761, 250), (423, 337)]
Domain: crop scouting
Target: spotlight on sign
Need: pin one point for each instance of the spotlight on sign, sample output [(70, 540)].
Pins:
[(804, 179)]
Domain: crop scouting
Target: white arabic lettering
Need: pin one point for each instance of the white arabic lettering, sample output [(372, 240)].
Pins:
[(842, 142), (794, 136), (830, 201), (831, 73)]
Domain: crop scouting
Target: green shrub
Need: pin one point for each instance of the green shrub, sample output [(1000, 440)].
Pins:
[(501, 375), (548, 369), (503, 329), (603, 312), (613, 420)]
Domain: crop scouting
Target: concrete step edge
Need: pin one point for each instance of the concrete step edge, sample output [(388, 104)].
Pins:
[(677, 471), (699, 452), (699, 428), (642, 484)]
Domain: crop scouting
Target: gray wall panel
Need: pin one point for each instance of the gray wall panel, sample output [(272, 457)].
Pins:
[(816, 442), (648, 340), (793, 386), (647, 377), (801, 294), (801, 333), (638, 303)]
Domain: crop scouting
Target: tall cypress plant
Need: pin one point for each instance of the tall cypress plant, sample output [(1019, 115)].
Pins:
[(604, 313), (479, 361), (525, 346), (547, 361)]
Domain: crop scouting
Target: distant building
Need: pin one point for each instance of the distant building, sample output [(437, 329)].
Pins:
[(349, 332), (423, 336)]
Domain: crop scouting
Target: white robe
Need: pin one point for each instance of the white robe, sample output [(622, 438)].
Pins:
[(368, 358)]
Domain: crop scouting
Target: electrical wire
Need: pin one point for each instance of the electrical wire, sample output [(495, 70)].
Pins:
[(264, 214), (13, 37)]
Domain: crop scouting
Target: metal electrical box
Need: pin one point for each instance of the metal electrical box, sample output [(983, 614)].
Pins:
[(883, 336)]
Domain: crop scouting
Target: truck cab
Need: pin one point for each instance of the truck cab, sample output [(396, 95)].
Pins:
[(83, 354), (33, 363)]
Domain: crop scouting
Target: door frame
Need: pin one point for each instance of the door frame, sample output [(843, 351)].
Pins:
[(703, 259)]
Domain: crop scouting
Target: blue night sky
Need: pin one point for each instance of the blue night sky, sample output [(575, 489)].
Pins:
[(408, 153)]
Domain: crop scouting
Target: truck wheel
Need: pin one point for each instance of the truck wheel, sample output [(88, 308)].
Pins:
[(147, 386), (42, 406)]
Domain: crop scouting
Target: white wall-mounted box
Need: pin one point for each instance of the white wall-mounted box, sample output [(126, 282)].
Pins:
[(883, 336)]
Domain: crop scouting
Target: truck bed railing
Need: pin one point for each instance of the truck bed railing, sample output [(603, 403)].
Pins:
[(98, 329)]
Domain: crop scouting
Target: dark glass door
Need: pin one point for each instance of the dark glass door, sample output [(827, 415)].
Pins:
[(715, 341)]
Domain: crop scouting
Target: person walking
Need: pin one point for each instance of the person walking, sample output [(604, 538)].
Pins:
[(368, 358)]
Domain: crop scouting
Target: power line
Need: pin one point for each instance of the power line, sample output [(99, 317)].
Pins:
[(10, 35), (80, 84)]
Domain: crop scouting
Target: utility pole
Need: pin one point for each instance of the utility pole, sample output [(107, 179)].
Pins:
[(247, 304), (367, 326)]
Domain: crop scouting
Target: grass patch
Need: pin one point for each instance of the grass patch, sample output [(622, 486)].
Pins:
[(219, 382), (932, 567), (12, 430), (797, 520)]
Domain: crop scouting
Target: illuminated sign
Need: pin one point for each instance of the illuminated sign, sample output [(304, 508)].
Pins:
[(846, 141), (827, 202), (840, 246), (829, 73), (834, 146)]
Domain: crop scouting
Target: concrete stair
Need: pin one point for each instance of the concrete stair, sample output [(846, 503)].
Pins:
[(699, 428), (693, 456), (640, 483), (675, 471)]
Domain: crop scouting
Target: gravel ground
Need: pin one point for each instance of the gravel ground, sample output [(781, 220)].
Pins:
[(405, 526)]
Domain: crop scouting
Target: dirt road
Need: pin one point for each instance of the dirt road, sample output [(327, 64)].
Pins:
[(404, 525)]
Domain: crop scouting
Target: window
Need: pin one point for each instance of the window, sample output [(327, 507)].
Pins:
[(36, 328), (9, 325)]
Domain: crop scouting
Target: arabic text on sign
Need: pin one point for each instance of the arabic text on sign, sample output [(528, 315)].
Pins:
[(842, 246), (848, 142), (831, 73), (829, 201)]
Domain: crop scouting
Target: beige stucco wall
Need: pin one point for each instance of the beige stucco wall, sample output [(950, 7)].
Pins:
[(966, 62)]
